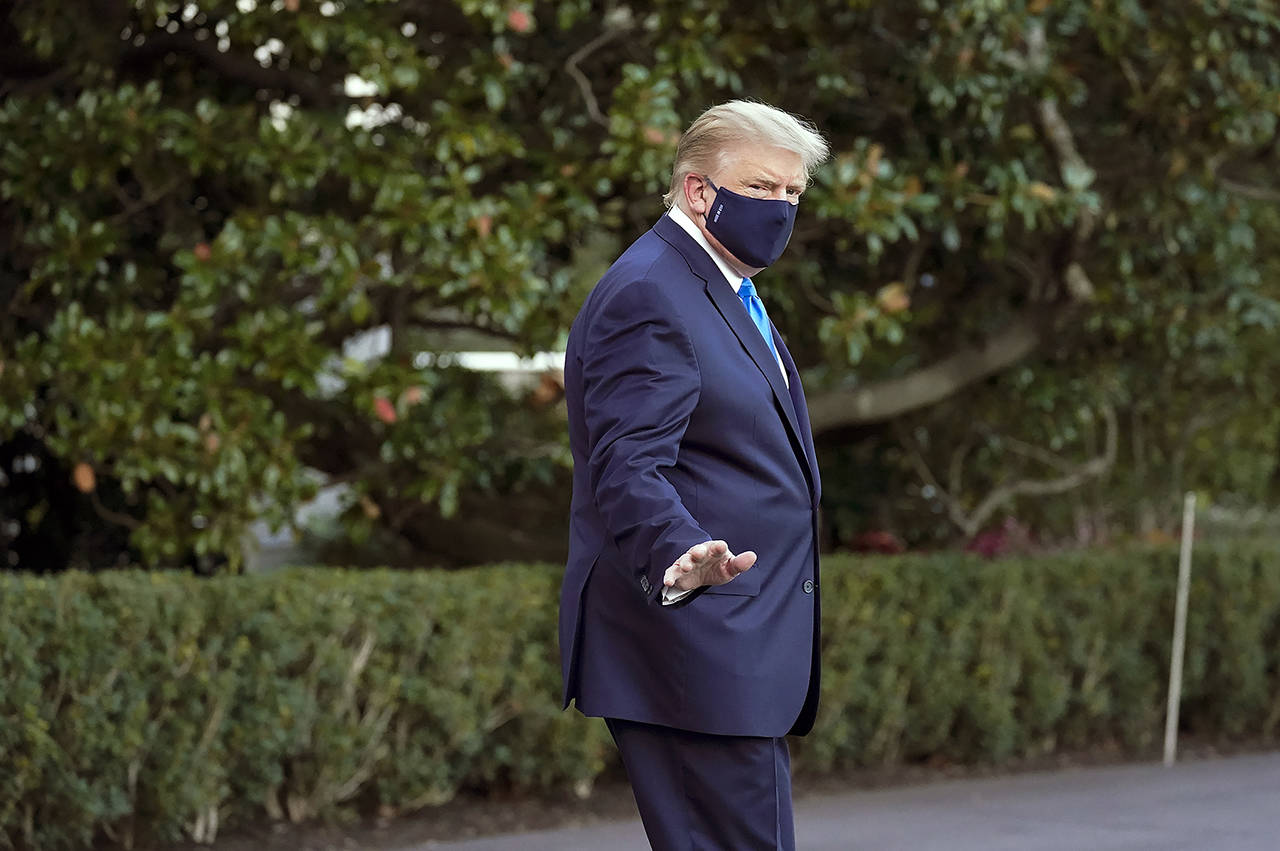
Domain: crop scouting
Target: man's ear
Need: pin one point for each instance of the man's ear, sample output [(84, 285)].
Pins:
[(697, 194)]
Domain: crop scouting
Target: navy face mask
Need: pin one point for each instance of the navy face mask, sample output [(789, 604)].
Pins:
[(755, 230)]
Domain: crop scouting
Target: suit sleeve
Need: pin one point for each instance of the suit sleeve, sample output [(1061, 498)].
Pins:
[(640, 387)]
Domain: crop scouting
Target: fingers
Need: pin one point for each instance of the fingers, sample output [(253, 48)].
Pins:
[(710, 563), (700, 556), (677, 571), (734, 566), (712, 550), (684, 565)]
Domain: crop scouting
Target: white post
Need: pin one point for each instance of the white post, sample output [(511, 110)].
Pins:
[(1179, 631)]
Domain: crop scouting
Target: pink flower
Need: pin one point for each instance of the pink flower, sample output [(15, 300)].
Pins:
[(519, 20), (384, 409)]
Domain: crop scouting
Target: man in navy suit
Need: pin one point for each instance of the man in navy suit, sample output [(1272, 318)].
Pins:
[(689, 611)]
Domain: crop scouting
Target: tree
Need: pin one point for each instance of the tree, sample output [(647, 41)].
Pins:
[(203, 203)]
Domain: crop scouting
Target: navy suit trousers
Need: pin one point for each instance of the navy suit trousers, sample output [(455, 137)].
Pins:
[(700, 792)]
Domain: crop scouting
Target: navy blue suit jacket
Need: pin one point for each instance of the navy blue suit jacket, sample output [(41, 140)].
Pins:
[(683, 431)]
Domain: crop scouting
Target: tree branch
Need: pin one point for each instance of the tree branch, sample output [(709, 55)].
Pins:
[(128, 521), (1038, 287), (1045, 487), (429, 322), (1058, 133), (814, 297), (133, 206), (38, 85), (916, 457), (1248, 190), (970, 523), (242, 69), (955, 474), (913, 260), (884, 400), (1027, 450), (615, 25)]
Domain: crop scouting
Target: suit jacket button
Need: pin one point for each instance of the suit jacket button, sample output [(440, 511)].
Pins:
[(808, 586)]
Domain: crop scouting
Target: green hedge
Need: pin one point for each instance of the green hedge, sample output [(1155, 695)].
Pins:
[(976, 661), (139, 706)]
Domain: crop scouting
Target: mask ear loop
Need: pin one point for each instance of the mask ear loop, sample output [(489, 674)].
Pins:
[(707, 179)]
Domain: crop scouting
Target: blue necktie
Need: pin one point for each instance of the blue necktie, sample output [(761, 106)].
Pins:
[(755, 309)]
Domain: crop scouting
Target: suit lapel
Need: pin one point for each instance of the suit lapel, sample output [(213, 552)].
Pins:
[(734, 313), (802, 415)]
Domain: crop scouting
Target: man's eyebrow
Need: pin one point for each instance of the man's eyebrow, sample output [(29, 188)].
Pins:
[(771, 182)]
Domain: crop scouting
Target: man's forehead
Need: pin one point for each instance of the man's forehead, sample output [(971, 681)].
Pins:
[(776, 163)]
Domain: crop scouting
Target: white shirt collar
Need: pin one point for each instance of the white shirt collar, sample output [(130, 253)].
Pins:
[(682, 219)]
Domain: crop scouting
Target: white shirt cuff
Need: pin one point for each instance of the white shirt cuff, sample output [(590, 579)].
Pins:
[(673, 595)]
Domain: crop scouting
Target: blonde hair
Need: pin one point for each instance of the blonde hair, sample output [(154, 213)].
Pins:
[(705, 145)]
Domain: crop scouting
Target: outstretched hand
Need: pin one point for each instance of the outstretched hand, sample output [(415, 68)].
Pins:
[(707, 564)]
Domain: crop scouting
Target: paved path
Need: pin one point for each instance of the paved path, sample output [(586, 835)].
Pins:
[(1212, 805)]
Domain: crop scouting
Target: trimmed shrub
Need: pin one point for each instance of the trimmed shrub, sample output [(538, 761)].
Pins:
[(138, 706), (970, 661), (150, 706)]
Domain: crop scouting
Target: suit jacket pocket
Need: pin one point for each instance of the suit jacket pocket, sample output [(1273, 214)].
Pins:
[(744, 584)]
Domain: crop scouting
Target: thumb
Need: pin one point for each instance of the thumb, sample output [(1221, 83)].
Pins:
[(742, 561)]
